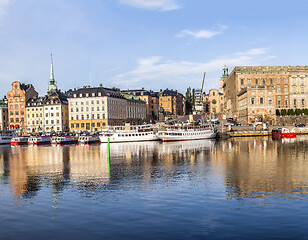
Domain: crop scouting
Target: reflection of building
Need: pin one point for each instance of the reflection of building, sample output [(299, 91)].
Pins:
[(17, 99), (3, 114), (262, 90), (172, 102)]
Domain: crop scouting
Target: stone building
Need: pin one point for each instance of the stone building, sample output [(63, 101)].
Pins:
[(3, 114), (213, 102), (152, 102), (274, 87), (17, 99), (172, 102), (96, 108)]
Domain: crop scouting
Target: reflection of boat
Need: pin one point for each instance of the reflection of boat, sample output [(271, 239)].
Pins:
[(18, 141), (283, 133), (6, 136), (177, 146), (88, 139), (39, 140), (138, 133), (187, 133)]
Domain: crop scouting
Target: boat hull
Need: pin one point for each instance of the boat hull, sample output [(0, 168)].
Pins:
[(130, 137)]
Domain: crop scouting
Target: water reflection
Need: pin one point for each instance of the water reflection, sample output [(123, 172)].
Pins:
[(248, 168)]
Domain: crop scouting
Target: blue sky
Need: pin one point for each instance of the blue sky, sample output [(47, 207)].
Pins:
[(145, 43)]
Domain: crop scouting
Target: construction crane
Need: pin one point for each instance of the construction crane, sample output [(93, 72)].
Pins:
[(203, 82)]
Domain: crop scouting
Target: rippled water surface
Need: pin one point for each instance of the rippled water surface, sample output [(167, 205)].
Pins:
[(233, 189)]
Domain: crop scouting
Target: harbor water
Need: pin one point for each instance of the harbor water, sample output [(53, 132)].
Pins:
[(249, 188)]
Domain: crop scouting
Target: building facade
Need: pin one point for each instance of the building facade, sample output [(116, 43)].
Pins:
[(213, 102), (35, 114), (92, 109), (152, 102), (274, 87), (3, 114), (172, 102), (17, 99)]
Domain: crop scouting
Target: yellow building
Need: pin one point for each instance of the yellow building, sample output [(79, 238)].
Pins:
[(213, 102), (171, 102)]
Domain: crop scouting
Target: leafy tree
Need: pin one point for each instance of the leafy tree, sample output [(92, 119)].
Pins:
[(283, 112), (298, 111), (188, 101), (277, 112)]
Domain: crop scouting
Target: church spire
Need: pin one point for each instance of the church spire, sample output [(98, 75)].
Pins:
[(52, 83)]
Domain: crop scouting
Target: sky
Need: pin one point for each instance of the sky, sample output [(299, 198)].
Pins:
[(155, 44)]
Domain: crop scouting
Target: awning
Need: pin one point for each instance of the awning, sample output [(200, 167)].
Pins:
[(16, 126)]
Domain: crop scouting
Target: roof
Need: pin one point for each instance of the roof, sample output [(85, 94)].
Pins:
[(35, 102), (131, 97), (90, 92)]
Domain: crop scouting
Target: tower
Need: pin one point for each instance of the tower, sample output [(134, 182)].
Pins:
[(52, 83), (223, 78)]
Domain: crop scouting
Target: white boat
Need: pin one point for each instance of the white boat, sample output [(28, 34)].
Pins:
[(39, 140), (6, 136), (62, 140), (136, 133), (19, 141), (88, 139), (187, 133)]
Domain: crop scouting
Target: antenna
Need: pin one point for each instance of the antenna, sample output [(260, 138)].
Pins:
[(90, 79)]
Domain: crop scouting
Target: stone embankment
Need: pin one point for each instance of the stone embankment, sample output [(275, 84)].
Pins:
[(253, 133)]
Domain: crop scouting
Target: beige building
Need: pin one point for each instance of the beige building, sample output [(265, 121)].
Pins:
[(56, 117), (35, 114), (93, 109), (213, 102), (17, 99), (279, 87), (172, 102), (151, 99)]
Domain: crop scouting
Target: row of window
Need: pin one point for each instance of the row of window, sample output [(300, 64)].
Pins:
[(270, 81), (87, 102), (17, 113), (16, 99), (17, 120), (16, 106), (87, 109), (261, 101), (294, 103), (82, 117), (77, 125)]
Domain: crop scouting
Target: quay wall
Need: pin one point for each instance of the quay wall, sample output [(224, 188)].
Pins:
[(291, 120)]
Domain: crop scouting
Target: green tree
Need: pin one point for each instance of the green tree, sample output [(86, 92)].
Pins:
[(298, 111), (277, 112), (188, 101), (283, 112)]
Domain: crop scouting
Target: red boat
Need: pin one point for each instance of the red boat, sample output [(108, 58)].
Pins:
[(279, 133), (19, 141)]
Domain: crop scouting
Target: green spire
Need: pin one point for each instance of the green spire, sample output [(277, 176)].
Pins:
[(52, 83), (225, 71)]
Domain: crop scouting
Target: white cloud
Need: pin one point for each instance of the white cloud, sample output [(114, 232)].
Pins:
[(163, 5), (3, 5), (181, 74), (203, 33)]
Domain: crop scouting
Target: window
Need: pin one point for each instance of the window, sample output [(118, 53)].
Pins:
[(249, 81), (16, 106), (17, 119), (22, 119), (285, 89), (263, 80), (81, 109), (295, 103), (46, 121), (87, 109), (261, 100), (88, 126), (72, 109), (72, 118), (21, 106), (104, 116), (303, 102), (16, 113), (82, 125), (92, 124), (279, 103), (11, 113), (252, 101), (98, 124), (302, 81), (11, 106), (242, 81), (12, 120), (286, 103), (82, 117), (271, 81), (270, 101), (57, 114), (88, 116), (77, 125), (52, 121), (302, 89), (285, 80), (294, 81), (257, 81), (278, 89), (278, 80)]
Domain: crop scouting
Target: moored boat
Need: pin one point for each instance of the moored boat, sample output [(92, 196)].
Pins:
[(39, 140), (187, 133), (283, 133), (6, 136), (69, 139), (136, 133), (19, 141), (88, 139)]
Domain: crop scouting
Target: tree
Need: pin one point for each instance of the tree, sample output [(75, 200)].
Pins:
[(298, 111), (188, 101), (277, 112)]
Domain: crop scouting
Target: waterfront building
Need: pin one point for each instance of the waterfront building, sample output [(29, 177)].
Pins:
[(95, 108), (17, 99), (35, 114), (199, 106), (213, 102), (152, 102), (262, 90), (56, 117), (3, 114), (172, 102), (135, 109)]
